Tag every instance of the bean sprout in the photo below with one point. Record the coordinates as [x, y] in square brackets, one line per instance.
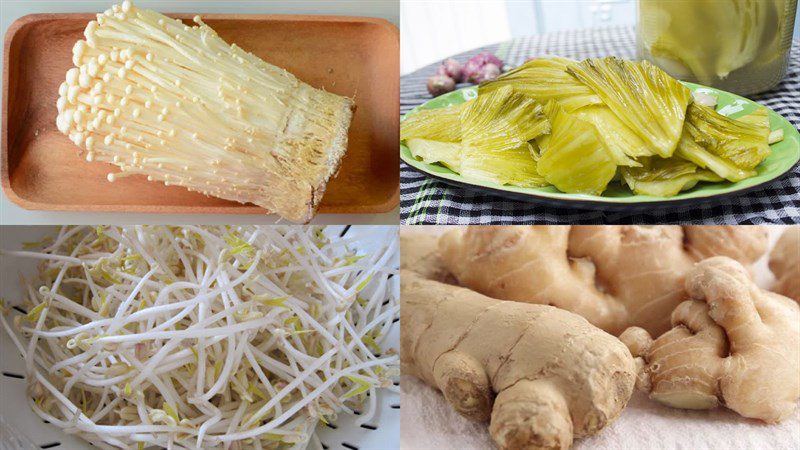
[207, 337]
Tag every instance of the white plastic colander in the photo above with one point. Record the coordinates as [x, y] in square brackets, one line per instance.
[20, 427]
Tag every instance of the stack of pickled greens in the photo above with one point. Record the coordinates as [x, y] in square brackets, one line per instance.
[579, 126]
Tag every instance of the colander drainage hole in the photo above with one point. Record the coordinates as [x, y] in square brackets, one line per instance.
[350, 446]
[19, 310]
[346, 229]
[369, 427]
[13, 375]
[395, 406]
[51, 445]
[331, 426]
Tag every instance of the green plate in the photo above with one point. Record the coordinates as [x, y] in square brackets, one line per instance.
[785, 155]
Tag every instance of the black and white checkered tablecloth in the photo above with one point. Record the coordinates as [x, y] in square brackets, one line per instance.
[424, 200]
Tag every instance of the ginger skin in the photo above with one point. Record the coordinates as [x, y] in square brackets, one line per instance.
[542, 376]
[743, 243]
[732, 343]
[420, 254]
[531, 265]
[784, 261]
[614, 276]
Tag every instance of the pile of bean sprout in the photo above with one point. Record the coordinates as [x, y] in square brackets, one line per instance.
[207, 337]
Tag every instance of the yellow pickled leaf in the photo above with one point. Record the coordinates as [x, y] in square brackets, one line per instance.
[660, 177]
[690, 150]
[440, 124]
[502, 120]
[515, 167]
[743, 142]
[446, 153]
[650, 102]
[621, 141]
[574, 158]
[545, 79]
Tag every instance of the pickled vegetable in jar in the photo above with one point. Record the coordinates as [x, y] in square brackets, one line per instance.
[740, 46]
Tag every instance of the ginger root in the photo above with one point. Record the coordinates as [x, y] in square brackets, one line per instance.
[542, 376]
[732, 343]
[420, 253]
[784, 261]
[614, 276]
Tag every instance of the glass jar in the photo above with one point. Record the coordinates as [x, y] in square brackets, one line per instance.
[740, 46]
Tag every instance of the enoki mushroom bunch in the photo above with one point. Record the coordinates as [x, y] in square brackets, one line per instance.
[178, 104]
[207, 337]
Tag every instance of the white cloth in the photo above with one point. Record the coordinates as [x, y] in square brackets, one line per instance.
[428, 422]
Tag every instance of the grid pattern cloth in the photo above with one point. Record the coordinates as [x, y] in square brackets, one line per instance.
[424, 200]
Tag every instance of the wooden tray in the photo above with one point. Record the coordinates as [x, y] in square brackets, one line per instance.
[353, 56]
